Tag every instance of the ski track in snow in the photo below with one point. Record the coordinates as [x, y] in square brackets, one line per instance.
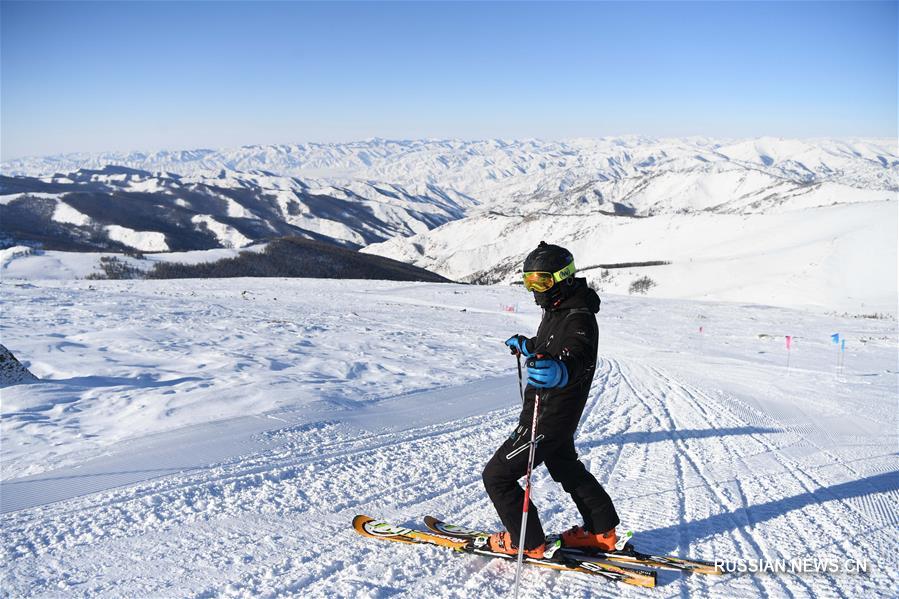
[710, 448]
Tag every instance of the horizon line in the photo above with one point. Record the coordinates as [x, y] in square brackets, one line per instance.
[462, 140]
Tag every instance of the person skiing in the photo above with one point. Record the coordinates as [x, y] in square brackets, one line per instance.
[560, 366]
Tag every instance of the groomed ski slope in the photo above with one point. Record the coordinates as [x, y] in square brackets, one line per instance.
[215, 438]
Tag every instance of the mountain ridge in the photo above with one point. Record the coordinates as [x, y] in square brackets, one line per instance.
[121, 207]
[461, 164]
[777, 221]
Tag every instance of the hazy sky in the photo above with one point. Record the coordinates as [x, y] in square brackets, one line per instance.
[90, 76]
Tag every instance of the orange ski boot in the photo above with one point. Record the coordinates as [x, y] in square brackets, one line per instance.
[581, 538]
[501, 542]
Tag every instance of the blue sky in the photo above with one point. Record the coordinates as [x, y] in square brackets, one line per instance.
[91, 76]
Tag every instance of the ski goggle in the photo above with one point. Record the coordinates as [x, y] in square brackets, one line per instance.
[543, 281]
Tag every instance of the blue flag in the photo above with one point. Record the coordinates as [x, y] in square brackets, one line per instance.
[835, 337]
[843, 345]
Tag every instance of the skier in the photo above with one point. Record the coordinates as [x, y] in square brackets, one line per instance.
[560, 366]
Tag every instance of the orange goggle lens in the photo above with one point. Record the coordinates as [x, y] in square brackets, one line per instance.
[542, 281]
[538, 281]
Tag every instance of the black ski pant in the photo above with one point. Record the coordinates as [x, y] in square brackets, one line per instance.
[501, 476]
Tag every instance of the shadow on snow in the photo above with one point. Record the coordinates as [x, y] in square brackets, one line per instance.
[702, 433]
[665, 540]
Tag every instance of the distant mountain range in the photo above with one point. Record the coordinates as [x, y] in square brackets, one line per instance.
[119, 208]
[365, 192]
[491, 169]
[760, 218]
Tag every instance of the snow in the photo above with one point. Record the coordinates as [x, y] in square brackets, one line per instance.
[24, 263]
[491, 169]
[28, 263]
[840, 257]
[200, 256]
[407, 188]
[371, 211]
[66, 214]
[227, 235]
[11, 253]
[216, 437]
[147, 185]
[235, 210]
[146, 241]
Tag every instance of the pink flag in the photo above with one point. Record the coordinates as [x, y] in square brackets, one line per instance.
[789, 341]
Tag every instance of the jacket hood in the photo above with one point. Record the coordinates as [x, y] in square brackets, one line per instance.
[582, 296]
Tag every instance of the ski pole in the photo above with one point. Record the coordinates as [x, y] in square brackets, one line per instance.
[527, 491]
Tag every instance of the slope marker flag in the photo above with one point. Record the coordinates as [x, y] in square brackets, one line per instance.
[842, 354]
[789, 344]
[836, 341]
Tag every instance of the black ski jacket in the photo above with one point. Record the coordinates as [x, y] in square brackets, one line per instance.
[568, 333]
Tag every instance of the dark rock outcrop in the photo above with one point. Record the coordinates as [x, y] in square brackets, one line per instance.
[11, 370]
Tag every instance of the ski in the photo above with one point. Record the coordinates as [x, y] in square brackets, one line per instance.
[378, 529]
[627, 556]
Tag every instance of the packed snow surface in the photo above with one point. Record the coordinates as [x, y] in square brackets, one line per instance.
[216, 438]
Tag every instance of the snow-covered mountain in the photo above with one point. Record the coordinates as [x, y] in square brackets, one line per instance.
[120, 208]
[490, 169]
[767, 220]
[840, 257]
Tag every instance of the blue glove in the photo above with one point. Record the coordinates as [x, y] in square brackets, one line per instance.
[545, 373]
[519, 345]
